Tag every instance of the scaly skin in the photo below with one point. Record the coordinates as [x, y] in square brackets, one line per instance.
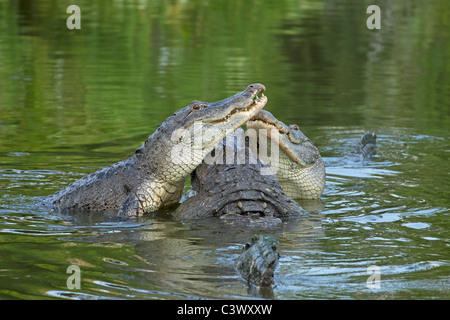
[235, 185]
[155, 175]
[258, 261]
[300, 169]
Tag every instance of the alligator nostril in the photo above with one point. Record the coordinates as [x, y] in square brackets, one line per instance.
[257, 86]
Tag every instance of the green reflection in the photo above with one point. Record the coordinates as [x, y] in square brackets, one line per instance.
[72, 101]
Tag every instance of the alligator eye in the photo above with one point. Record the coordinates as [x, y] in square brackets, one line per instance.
[198, 106]
[294, 127]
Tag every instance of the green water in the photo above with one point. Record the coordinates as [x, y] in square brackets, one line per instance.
[73, 101]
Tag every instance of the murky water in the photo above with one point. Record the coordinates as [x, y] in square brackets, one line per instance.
[73, 101]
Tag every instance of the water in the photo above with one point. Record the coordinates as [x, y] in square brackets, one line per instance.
[75, 101]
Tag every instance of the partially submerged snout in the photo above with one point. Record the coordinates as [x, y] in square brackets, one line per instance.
[290, 139]
[219, 119]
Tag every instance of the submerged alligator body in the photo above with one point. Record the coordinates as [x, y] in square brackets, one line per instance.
[234, 184]
[258, 261]
[154, 176]
[299, 168]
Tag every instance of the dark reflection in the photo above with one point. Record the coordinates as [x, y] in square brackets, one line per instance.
[196, 258]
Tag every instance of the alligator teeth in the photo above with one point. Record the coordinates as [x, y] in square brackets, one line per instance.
[238, 110]
[257, 98]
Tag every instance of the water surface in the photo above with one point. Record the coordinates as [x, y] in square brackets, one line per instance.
[73, 101]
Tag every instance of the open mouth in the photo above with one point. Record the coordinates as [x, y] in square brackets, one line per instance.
[265, 120]
[266, 125]
[256, 105]
[259, 123]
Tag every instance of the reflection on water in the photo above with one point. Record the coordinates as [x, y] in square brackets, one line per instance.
[73, 102]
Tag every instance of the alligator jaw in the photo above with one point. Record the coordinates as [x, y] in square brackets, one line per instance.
[248, 106]
[265, 120]
[300, 169]
[257, 104]
[223, 117]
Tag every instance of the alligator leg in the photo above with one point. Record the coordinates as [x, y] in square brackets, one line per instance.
[258, 260]
[149, 196]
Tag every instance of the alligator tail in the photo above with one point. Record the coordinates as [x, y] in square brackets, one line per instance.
[365, 147]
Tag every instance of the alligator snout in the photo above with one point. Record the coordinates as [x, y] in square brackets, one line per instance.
[256, 88]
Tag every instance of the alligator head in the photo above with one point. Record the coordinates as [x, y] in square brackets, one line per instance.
[299, 169]
[183, 140]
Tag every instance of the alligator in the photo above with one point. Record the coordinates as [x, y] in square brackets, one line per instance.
[229, 184]
[155, 175]
[258, 261]
[299, 167]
